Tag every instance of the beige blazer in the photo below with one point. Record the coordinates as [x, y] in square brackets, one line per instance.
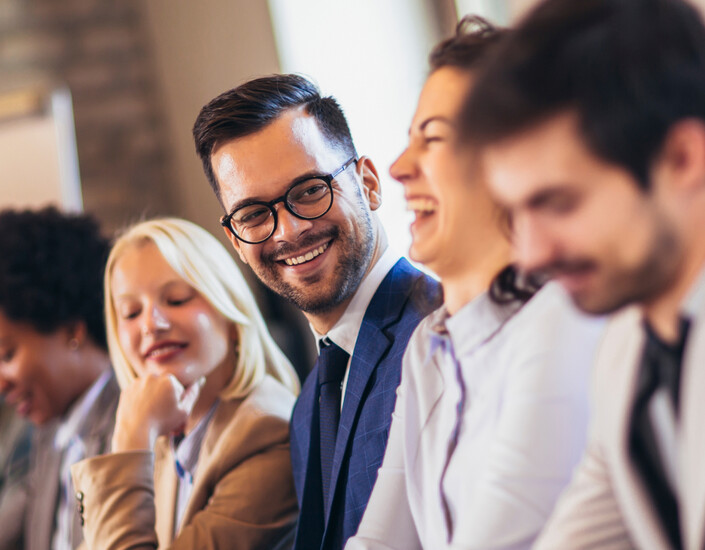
[243, 493]
[606, 506]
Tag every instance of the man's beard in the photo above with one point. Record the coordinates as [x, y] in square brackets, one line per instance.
[318, 295]
[620, 287]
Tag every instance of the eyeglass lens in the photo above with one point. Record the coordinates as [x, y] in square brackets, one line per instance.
[308, 199]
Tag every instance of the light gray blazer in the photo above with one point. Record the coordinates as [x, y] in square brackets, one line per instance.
[28, 510]
[606, 505]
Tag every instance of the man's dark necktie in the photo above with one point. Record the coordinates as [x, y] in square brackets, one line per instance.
[332, 363]
[660, 369]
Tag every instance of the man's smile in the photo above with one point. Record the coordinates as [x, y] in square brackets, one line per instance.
[307, 256]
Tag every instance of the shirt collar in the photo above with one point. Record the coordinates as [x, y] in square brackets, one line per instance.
[187, 450]
[344, 332]
[694, 303]
[476, 322]
[79, 417]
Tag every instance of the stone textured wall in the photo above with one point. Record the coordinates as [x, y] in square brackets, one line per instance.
[99, 49]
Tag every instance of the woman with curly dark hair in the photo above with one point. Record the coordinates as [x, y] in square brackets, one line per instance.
[54, 366]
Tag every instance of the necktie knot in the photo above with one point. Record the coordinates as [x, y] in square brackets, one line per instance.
[332, 362]
[661, 364]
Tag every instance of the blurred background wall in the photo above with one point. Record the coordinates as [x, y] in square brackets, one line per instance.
[100, 51]
[138, 72]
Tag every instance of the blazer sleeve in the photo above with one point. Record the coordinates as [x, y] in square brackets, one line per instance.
[388, 523]
[252, 504]
[13, 501]
[587, 515]
[14, 479]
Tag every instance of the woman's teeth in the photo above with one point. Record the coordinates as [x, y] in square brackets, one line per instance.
[421, 205]
[306, 257]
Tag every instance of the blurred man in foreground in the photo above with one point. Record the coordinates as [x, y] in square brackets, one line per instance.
[592, 118]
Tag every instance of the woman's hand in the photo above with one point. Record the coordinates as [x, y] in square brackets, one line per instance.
[152, 406]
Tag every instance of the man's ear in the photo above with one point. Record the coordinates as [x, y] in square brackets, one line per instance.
[236, 244]
[681, 163]
[370, 182]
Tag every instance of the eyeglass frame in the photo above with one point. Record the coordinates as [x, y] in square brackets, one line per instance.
[226, 219]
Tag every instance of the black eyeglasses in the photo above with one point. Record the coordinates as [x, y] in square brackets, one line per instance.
[308, 199]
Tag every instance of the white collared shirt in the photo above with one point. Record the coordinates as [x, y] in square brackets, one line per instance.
[694, 302]
[344, 332]
[523, 426]
[186, 453]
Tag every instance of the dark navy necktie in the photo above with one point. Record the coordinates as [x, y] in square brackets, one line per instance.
[332, 363]
[660, 368]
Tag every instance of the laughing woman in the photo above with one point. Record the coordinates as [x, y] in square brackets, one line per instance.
[491, 413]
[200, 453]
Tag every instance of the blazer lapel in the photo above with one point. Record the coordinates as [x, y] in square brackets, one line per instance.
[692, 444]
[370, 347]
[45, 474]
[302, 423]
[45, 481]
[208, 459]
[625, 361]
[364, 362]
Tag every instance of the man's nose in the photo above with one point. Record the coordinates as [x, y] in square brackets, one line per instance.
[289, 227]
[534, 246]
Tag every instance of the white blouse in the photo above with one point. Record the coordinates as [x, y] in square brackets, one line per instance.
[522, 426]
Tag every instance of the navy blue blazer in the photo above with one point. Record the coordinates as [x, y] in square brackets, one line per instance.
[404, 297]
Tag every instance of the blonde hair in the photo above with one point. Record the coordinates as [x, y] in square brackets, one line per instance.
[205, 264]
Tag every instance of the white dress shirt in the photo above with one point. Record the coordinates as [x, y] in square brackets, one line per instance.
[186, 453]
[344, 332]
[523, 426]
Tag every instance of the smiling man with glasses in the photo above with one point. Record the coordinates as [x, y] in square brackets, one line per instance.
[253, 222]
[300, 212]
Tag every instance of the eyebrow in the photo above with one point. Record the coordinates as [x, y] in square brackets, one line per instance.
[435, 118]
[546, 195]
[298, 179]
[166, 286]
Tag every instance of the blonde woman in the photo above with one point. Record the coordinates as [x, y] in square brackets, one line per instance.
[200, 453]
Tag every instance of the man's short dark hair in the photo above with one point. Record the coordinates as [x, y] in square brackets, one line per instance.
[468, 47]
[51, 270]
[252, 106]
[629, 69]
